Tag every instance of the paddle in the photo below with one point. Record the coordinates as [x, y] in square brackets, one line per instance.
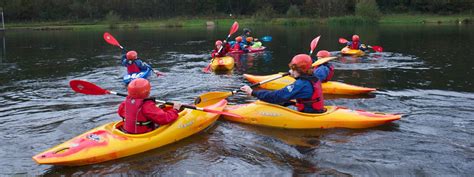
[222, 95]
[266, 38]
[313, 44]
[321, 61]
[376, 48]
[112, 41]
[233, 29]
[88, 88]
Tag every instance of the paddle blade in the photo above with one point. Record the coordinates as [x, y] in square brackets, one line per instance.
[222, 113]
[234, 28]
[212, 96]
[87, 88]
[266, 38]
[322, 61]
[207, 69]
[313, 44]
[343, 41]
[111, 40]
[377, 48]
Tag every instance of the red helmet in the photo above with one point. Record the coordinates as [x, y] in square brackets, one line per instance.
[132, 55]
[139, 88]
[355, 37]
[323, 54]
[249, 39]
[301, 63]
[238, 39]
[218, 42]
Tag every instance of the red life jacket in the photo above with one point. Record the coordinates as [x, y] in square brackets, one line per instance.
[132, 67]
[236, 46]
[330, 74]
[135, 122]
[316, 102]
[355, 45]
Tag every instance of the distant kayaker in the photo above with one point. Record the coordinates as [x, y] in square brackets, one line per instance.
[224, 50]
[249, 42]
[355, 44]
[239, 45]
[306, 89]
[245, 35]
[324, 72]
[140, 112]
[132, 62]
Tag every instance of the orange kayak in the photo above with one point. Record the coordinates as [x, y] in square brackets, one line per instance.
[266, 114]
[107, 142]
[330, 87]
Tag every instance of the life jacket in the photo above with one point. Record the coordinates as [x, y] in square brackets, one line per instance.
[331, 72]
[135, 122]
[236, 46]
[132, 67]
[355, 45]
[316, 102]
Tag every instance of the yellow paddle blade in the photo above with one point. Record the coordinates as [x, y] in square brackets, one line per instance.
[322, 61]
[210, 98]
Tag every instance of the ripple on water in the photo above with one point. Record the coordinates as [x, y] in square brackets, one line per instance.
[383, 60]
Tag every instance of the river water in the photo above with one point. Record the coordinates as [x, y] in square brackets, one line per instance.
[425, 73]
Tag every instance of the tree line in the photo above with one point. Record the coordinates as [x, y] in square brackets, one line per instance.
[45, 10]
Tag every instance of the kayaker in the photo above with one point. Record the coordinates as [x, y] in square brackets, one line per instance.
[355, 43]
[140, 112]
[324, 72]
[306, 89]
[239, 45]
[132, 62]
[249, 42]
[256, 43]
[224, 50]
[245, 34]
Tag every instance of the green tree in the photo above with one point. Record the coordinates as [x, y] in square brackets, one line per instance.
[293, 11]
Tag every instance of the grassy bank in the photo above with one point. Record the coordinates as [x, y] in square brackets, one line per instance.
[422, 19]
[203, 22]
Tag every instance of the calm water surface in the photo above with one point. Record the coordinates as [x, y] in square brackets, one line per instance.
[425, 73]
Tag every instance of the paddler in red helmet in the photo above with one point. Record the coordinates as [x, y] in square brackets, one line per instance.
[325, 71]
[306, 89]
[355, 44]
[140, 112]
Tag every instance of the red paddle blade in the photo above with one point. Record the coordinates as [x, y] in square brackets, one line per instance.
[110, 39]
[87, 88]
[342, 40]
[234, 28]
[207, 68]
[222, 113]
[313, 44]
[377, 48]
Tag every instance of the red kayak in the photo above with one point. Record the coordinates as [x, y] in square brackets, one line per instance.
[251, 50]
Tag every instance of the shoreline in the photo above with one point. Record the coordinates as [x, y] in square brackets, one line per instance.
[181, 22]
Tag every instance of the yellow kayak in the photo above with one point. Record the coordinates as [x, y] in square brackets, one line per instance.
[222, 63]
[353, 52]
[330, 87]
[266, 114]
[107, 142]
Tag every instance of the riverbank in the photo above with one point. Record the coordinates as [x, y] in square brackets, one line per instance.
[203, 22]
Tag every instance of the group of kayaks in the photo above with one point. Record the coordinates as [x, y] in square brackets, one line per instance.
[227, 63]
[108, 142]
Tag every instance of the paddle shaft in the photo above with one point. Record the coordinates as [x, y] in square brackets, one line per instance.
[160, 101]
[263, 82]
